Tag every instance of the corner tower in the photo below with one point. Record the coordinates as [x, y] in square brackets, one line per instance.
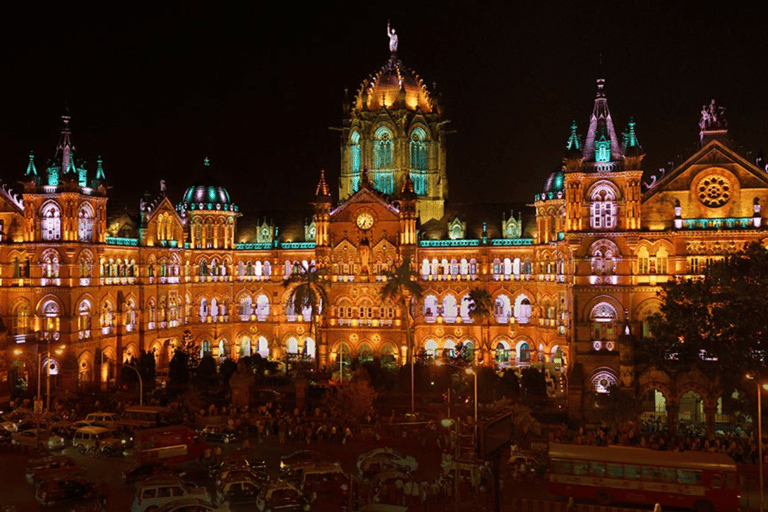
[393, 126]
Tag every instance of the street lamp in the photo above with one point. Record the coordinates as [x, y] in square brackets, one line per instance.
[759, 433]
[457, 423]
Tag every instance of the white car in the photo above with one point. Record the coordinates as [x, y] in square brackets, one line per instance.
[383, 459]
[32, 436]
[157, 492]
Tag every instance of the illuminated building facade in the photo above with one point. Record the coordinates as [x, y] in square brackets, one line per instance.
[572, 279]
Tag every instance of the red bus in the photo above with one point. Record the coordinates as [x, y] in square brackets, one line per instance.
[700, 481]
[173, 444]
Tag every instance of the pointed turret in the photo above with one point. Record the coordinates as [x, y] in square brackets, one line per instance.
[602, 145]
[633, 152]
[322, 193]
[407, 191]
[65, 149]
[100, 170]
[31, 172]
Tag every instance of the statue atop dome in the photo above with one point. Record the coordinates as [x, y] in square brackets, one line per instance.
[392, 39]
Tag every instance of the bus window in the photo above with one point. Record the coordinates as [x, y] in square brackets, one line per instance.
[614, 470]
[580, 467]
[631, 472]
[562, 467]
[716, 482]
[650, 473]
[667, 475]
[686, 476]
[597, 469]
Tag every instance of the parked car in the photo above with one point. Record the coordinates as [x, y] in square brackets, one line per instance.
[64, 491]
[63, 429]
[383, 459]
[239, 487]
[303, 457]
[281, 496]
[103, 419]
[158, 492]
[96, 437]
[33, 436]
[193, 505]
[52, 467]
[150, 469]
[236, 462]
[324, 483]
[220, 433]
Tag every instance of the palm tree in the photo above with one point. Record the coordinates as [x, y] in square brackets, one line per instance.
[308, 291]
[480, 306]
[401, 288]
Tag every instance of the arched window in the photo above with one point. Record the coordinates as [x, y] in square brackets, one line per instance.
[51, 222]
[643, 266]
[603, 380]
[388, 358]
[292, 346]
[309, 348]
[383, 161]
[85, 223]
[662, 257]
[20, 320]
[523, 353]
[418, 150]
[431, 309]
[245, 308]
[262, 307]
[522, 309]
[354, 161]
[263, 347]
[430, 349]
[468, 351]
[502, 309]
[51, 312]
[450, 311]
[203, 309]
[245, 346]
[603, 208]
[502, 353]
[449, 348]
[364, 354]
[205, 348]
[604, 326]
[223, 349]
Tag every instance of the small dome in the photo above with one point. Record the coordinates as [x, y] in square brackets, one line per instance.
[207, 194]
[383, 89]
[554, 186]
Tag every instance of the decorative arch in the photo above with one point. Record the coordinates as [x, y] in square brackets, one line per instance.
[603, 378]
[50, 221]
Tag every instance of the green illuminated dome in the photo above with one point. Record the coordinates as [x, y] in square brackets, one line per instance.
[207, 194]
[554, 186]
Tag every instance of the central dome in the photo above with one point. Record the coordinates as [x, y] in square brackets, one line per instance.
[207, 194]
[385, 87]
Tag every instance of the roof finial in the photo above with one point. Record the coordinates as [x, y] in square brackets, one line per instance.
[100, 170]
[573, 140]
[207, 162]
[392, 39]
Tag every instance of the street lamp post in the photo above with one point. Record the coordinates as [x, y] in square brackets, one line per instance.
[759, 434]
[468, 371]
[456, 472]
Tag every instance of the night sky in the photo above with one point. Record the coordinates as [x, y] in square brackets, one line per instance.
[154, 90]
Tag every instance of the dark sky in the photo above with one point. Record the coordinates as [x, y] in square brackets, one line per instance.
[154, 90]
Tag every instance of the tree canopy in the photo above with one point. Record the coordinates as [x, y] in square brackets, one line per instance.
[718, 323]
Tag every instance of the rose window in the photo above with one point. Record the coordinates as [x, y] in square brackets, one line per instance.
[714, 191]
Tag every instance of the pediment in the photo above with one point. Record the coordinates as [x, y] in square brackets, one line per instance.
[713, 155]
[345, 246]
[364, 196]
[164, 206]
[384, 245]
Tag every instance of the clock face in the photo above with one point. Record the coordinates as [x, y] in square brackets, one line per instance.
[365, 220]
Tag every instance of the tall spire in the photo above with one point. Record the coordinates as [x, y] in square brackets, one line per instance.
[65, 148]
[601, 144]
[99, 170]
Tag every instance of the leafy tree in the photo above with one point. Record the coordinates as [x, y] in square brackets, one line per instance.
[226, 370]
[716, 323]
[509, 384]
[309, 290]
[189, 347]
[353, 401]
[533, 382]
[206, 371]
[146, 367]
[402, 288]
[178, 368]
[480, 307]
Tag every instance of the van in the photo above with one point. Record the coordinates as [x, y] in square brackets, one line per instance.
[103, 419]
[86, 438]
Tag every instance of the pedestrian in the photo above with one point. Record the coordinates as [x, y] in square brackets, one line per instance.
[207, 458]
[571, 506]
[657, 507]
[217, 452]
[246, 445]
